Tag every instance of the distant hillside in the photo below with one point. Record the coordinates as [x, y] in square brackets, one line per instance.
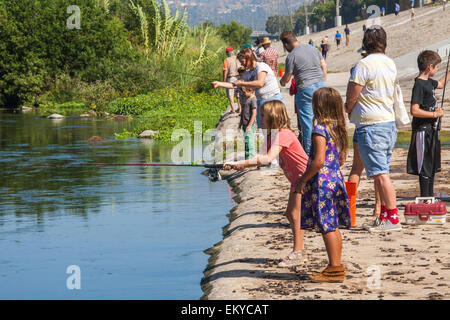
[251, 13]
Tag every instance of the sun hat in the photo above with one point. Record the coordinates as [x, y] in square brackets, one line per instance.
[266, 40]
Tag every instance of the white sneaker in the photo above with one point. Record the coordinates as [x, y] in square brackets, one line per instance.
[274, 164]
[372, 224]
[386, 226]
[294, 259]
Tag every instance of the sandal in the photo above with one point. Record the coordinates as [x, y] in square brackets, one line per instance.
[330, 274]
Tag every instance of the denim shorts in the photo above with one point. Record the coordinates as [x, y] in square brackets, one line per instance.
[375, 143]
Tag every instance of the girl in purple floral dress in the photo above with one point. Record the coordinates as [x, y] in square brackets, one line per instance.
[325, 204]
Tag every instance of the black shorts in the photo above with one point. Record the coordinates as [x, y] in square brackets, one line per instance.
[338, 41]
[424, 151]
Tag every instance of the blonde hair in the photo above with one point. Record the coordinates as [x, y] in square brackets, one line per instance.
[275, 115]
[328, 109]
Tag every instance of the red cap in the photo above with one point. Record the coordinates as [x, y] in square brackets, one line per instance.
[229, 49]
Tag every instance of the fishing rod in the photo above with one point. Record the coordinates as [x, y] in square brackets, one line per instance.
[208, 166]
[439, 121]
[186, 74]
[445, 82]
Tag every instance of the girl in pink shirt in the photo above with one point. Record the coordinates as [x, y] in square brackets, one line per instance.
[282, 143]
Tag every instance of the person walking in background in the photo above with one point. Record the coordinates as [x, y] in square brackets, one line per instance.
[324, 49]
[347, 35]
[230, 73]
[269, 55]
[396, 9]
[444, 3]
[424, 155]
[311, 43]
[309, 69]
[364, 28]
[325, 203]
[293, 161]
[413, 14]
[411, 3]
[376, 132]
[338, 38]
[383, 11]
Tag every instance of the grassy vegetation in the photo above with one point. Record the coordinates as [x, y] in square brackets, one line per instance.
[171, 108]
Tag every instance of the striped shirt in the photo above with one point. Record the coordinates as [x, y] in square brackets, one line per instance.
[377, 73]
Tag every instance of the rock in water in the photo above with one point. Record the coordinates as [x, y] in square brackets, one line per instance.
[148, 134]
[26, 109]
[95, 139]
[85, 115]
[120, 118]
[55, 116]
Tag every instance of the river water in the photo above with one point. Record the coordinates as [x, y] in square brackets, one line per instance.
[131, 232]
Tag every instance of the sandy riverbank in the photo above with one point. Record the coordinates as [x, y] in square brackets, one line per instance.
[414, 263]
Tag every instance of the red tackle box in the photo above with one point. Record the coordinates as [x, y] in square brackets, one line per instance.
[421, 212]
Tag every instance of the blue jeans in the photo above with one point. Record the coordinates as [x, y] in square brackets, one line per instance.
[305, 114]
[375, 143]
[278, 96]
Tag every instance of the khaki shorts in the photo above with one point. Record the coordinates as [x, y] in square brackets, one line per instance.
[230, 92]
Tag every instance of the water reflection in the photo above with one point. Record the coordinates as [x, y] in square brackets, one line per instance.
[136, 232]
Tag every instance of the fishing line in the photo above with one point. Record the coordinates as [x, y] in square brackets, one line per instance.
[213, 172]
[445, 83]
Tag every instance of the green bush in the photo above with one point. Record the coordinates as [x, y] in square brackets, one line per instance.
[235, 34]
[68, 108]
[171, 108]
[36, 46]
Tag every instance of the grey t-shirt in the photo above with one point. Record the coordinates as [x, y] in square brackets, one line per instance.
[304, 63]
[270, 87]
[247, 108]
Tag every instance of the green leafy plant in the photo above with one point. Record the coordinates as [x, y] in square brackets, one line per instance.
[168, 109]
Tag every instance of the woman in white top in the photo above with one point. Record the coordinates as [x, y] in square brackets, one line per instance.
[258, 76]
